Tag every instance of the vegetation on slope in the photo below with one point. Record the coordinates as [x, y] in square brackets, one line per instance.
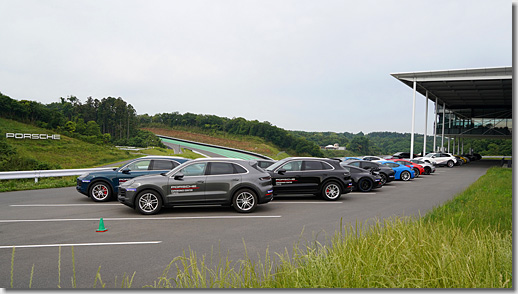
[18, 154]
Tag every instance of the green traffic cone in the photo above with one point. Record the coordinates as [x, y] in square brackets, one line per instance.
[101, 226]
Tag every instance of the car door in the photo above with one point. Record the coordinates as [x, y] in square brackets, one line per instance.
[221, 178]
[187, 185]
[286, 178]
[312, 173]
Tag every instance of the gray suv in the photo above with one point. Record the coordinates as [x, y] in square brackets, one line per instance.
[205, 181]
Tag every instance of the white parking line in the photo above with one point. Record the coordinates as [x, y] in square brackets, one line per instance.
[306, 202]
[136, 218]
[80, 244]
[59, 205]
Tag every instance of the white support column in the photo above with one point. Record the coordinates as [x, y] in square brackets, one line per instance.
[413, 123]
[449, 126]
[425, 125]
[435, 126]
[443, 115]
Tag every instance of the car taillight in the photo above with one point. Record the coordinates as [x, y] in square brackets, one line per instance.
[266, 178]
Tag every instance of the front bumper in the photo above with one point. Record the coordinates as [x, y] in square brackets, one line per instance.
[126, 196]
[82, 186]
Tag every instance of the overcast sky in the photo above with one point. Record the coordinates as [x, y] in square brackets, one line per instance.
[301, 65]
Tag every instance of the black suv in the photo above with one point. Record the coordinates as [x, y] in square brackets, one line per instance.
[386, 173]
[205, 181]
[309, 175]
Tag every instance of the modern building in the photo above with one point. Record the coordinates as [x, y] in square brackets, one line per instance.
[469, 103]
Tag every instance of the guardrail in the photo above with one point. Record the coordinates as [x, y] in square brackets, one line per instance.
[36, 174]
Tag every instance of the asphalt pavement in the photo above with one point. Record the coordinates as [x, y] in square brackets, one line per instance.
[44, 226]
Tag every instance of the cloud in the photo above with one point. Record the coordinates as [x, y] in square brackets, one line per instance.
[306, 65]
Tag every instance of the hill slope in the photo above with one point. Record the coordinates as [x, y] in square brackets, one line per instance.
[50, 154]
[248, 143]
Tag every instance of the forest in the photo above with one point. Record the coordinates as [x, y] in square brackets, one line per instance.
[106, 121]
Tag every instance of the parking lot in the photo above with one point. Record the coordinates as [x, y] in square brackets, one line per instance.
[43, 223]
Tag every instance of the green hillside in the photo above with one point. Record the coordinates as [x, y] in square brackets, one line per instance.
[22, 154]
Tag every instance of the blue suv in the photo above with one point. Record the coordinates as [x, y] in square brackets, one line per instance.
[104, 185]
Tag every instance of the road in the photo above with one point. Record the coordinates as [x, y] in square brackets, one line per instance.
[42, 223]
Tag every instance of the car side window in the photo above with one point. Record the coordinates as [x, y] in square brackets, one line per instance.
[357, 163]
[369, 164]
[139, 165]
[159, 164]
[327, 166]
[239, 169]
[312, 165]
[221, 168]
[293, 166]
[195, 169]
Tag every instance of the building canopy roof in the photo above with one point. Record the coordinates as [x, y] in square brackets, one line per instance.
[470, 93]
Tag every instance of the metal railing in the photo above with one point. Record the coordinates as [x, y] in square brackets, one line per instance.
[36, 174]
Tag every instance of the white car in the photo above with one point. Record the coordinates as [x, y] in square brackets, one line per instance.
[439, 159]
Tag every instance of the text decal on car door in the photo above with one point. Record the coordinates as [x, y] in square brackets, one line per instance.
[183, 188]
[285, 181]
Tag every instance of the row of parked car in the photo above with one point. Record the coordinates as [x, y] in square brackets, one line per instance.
[150, 183]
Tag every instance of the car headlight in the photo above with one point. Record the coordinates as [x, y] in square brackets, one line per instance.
[83, 176]
[128, 183]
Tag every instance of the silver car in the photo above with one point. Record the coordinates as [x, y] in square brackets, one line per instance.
[429, 168]
[205, 181]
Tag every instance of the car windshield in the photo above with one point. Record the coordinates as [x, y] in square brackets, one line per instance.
[429, 155]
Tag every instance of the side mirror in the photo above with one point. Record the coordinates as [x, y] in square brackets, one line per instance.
[281, 171]
[126, 171]
[179, 176]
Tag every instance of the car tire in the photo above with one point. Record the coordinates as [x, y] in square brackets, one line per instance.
[100, 191]
[405, 175]
[331, 191]
[427, 170]
[450, 163]
[416, 172]
[148, 202]
[244, 201]
[384, 178]
[365, 185]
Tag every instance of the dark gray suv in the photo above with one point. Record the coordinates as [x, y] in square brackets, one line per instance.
[206, 181]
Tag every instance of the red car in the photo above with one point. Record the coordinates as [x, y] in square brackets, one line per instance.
[418, 169]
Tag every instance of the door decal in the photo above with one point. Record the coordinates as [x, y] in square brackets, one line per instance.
[285, 181]
[183, 189]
